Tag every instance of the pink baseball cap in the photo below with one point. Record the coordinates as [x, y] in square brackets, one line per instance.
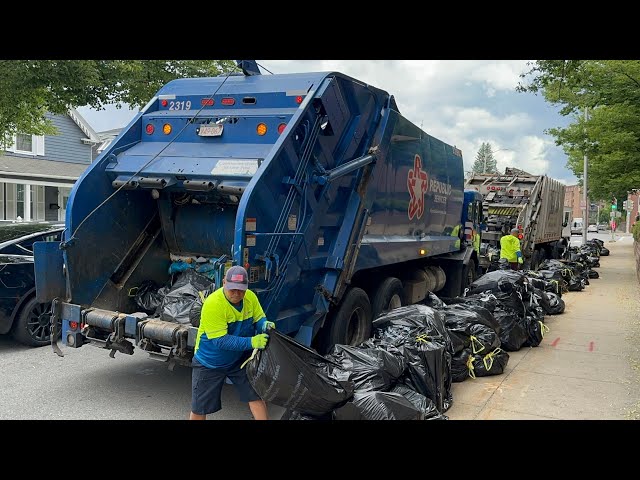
[237, 278]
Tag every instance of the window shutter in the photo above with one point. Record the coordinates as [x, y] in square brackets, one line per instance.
[38, 140]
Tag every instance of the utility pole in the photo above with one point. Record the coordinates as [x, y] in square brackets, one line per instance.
[585, 216]
[628, 211]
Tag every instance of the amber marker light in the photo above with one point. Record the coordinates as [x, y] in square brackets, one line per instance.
[166, 129]
[261, 129]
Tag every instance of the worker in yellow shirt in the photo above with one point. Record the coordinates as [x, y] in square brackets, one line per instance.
[510, 249]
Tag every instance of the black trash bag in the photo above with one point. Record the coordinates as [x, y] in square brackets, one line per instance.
[535, 331]
[178, 300]
[497, 281]
[492, 363]
[483, 300]
[541, 300]
[429, 370]
[459, 366]
[295, 415]
[196, 307]
[467, 314]
[604, 252]
[483, 339]
[369, 367]
[510, 301]
[290, 375]
[376, 405]
[513, 333]
[400, 324]
[147, 296]
[556, 304]
[422, 403]
[433, 301]
[593, 274]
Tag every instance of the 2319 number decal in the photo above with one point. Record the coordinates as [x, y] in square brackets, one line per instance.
[180, 105]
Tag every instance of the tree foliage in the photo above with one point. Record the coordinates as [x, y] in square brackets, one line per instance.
[610, 136]
[31, 88]
[485, 162]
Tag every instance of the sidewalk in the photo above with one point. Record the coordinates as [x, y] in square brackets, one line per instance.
[588, 364]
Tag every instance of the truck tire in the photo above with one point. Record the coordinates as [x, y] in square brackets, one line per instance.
[32, 325]
[350, 323]
[388, 295]
[469, 274]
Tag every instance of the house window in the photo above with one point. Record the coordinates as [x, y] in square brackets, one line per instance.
[31, 144]
[24, 142]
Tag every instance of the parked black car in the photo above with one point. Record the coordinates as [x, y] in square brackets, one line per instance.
[20, 314]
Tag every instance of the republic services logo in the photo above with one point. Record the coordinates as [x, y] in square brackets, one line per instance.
[417, 182]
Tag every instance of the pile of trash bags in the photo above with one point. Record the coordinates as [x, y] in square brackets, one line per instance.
[179, 301]
[405, 371]
[402, 373]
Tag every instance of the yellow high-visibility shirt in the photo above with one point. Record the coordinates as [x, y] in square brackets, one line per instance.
[509, 245]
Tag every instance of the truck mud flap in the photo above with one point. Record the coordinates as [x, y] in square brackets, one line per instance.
[48, 265]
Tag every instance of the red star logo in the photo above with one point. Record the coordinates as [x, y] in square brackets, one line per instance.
[417, 185]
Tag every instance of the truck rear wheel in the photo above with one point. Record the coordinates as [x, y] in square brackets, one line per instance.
[470, 274]
[388, 295]
[350, 323]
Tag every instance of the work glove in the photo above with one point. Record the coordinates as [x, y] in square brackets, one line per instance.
[520, 260]
[268, 326]
[259, 341]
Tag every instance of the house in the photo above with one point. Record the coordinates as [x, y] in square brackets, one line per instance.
[38, 171]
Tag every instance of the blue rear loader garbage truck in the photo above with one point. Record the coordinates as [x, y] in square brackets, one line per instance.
[338, 207]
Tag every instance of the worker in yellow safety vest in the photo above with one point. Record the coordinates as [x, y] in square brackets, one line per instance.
[510, 249]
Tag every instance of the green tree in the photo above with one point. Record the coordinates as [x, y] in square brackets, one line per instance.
[610, 136]
[484, 162]
[31, 88]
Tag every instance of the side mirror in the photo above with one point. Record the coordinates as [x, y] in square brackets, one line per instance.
[564, 224]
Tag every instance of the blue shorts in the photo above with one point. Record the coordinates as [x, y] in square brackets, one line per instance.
[206, 386]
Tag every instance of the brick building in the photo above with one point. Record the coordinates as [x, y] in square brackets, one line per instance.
[572, 199]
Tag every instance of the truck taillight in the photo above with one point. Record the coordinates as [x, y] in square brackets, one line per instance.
[281, 128]
[228, 101]
[299, 99]
[164, 103]
[73, 325]
[149, 129]
[207, 102]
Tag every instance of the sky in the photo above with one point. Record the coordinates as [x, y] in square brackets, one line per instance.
[461, 102]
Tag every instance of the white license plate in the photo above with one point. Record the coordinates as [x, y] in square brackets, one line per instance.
[210, 130]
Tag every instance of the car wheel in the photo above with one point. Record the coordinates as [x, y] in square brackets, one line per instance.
[32, 325]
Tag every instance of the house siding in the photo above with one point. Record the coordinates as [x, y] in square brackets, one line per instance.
[66, 146]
